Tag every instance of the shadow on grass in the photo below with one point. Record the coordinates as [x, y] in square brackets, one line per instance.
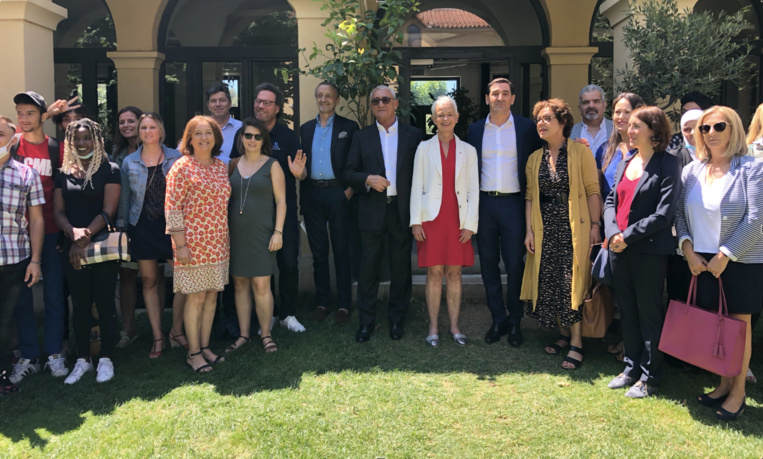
[45, 403]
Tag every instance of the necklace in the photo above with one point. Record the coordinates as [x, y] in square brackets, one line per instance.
[246, 192]
[154, 173]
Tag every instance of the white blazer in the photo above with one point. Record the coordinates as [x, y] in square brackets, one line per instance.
[426, 188]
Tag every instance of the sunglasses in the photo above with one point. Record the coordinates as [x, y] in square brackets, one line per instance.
[382, 100]
[249, 135]
[718, 127]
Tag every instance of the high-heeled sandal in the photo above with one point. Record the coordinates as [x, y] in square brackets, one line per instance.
[234, 346]
[218, 359]
[175, 343]
[156, 354]
[269, 346]
[206, 368]
[710, 402]
[726, 415]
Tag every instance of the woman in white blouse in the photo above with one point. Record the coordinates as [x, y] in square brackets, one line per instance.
[720, 230]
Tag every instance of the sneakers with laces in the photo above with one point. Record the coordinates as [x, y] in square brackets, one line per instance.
[57, 365]
[6, 386]
[292, 324]
[80, 368]
[105, 370]
[24, 368]
[125, 339]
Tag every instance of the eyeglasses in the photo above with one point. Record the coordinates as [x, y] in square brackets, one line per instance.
[249, 135]
[718, 127]
[546, 119]
[382, 100]
[264, 103]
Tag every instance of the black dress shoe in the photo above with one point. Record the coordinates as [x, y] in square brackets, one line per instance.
[495, 332]
[364, 333]
[515, 335]
[396, 330]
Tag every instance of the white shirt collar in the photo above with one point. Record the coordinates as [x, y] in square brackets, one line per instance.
[509, 122]
[392, 128]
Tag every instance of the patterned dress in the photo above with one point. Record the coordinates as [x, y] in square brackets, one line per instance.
[197, 205]
[555, 276]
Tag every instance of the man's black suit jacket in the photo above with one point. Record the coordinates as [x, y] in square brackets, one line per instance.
[366, 159]
[527, 142]
[341, 139]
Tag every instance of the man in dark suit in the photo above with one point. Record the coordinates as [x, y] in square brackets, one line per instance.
[324, 198]
[503, 142]
[380, 168]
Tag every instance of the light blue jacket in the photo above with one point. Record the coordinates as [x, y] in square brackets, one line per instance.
[134, 178]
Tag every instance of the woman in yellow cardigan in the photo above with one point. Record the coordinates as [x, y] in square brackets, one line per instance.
[563, 209]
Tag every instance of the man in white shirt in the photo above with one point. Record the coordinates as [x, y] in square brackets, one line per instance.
[503, 142]
[219, 104]
[595, 128]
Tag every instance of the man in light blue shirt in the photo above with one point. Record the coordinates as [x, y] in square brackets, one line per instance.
[219, 104]
[595, 128]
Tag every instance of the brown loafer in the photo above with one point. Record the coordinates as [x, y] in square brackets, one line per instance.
[342, 317]
[320, 313]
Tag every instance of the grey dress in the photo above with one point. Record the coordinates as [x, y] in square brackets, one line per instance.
[252, 224]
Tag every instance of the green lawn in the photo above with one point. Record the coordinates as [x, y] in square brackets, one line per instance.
[323, 395]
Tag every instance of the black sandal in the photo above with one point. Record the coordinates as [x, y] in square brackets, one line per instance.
[269, 346]
[557, 348]
[233, 346]
[218, 359]
[201, 368]
[575, 362]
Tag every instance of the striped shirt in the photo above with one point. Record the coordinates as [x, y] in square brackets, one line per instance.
[741, 237]
[20, 188]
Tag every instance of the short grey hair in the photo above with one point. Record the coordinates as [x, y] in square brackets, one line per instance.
[591, 88]
[441, 100]
[382, 86]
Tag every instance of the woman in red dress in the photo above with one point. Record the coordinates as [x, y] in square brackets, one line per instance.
[444, 207]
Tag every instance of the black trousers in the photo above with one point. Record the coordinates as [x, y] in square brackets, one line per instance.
[11, 285]
[400, 239]
[678, 278]
[329, 206]
[501, 235]
[639, 280]
[287, 260]
[95, 283]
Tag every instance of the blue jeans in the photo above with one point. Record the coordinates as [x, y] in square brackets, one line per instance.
[55, 302]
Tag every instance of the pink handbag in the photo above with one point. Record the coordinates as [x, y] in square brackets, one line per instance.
[709, 340]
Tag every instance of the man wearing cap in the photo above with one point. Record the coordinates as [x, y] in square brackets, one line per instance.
[38, 151]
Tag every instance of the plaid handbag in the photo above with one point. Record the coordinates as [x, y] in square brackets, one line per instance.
[109, 245]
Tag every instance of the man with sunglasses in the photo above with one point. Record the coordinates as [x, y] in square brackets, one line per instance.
[268, 106]
[380, 169]
[325, 197]
[503, 142]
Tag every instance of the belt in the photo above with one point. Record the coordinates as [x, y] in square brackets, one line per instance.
[391, 199]
[498, 193]
[560, 198]
[324, 183]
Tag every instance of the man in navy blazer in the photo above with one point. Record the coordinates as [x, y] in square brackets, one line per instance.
[503, 142]
[380, 169]
[324, 197]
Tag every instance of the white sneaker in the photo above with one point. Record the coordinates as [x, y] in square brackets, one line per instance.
[80, 368]
[57, 365]
[22, 369]
[105, 370]
[292, 324]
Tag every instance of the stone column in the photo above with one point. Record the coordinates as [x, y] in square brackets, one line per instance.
[568, 72]
[138, 77]
[26, 29]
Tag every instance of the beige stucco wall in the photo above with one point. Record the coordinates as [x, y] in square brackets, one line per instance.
[26, 29]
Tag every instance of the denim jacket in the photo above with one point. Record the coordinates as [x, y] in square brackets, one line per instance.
[134, 178]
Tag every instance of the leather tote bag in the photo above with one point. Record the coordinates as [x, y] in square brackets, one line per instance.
[707, 339]
[598, 312]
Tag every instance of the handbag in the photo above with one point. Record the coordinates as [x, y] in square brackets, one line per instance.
[709, 340]
[598, 312]
[109, 245]
[601, 269]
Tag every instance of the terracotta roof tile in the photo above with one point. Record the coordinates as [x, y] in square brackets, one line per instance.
[451, 18]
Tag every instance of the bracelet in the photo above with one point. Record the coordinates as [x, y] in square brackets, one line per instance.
[276, 231]
[36, 262]
[596, 223]
[181, 246]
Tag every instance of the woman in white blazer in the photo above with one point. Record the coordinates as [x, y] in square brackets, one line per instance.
[720, 230]
[444, 206]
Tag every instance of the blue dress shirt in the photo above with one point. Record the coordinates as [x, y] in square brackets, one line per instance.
[320, 168]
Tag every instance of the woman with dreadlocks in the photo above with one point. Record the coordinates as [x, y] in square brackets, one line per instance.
[88, 186]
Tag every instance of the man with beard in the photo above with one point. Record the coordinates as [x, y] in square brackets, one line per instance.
[595, 128]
